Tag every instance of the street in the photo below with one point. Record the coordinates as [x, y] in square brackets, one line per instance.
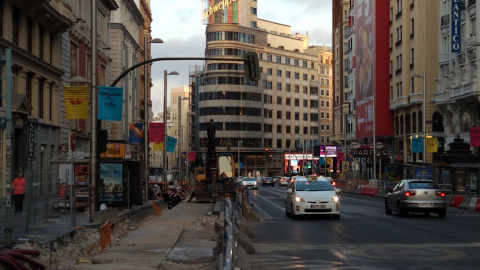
[363, 238]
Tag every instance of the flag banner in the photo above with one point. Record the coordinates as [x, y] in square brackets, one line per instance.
[345, 166]
[321, 161]
[158, 146]
[110, 101]
[340, 157]
[475, 136]
[417, 145]
[350, 156]
[136, 132]
[76, 102]
[432, 145]
[192, 156]
[171, 143]
[184, 156]
[155, 132]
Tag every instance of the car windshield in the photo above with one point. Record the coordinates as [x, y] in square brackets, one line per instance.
[268, 178]
[423, 185]
[314, 186]
[248, 179]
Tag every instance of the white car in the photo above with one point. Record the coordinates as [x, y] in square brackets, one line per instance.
[312, 196]
[250, 182]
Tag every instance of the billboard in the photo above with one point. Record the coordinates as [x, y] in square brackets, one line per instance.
[372, 68]
[221, 11]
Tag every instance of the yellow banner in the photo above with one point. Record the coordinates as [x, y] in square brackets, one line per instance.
[76, 102]
[158, 146]
[114, 150]
[432, 145]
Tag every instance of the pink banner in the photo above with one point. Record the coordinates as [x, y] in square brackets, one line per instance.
[192, 156]
[475, 136]
[155, 132]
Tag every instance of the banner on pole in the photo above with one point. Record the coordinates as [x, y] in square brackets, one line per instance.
[171, 143]
[155, 132]
[110, 101]
[76, 102]
[136, 132]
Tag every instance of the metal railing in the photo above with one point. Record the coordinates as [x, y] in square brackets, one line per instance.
[226, 260]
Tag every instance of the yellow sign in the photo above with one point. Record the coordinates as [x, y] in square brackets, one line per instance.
[218, 6]
[114, 150]
[432, 145]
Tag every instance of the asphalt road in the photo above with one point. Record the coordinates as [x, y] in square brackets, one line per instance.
[363, 238]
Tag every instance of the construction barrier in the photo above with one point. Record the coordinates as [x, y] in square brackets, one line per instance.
[456, 200]
[156, 208]
[477, 205]
[105, 235]
[369, 191]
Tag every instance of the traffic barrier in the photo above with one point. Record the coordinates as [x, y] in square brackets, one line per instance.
[477, 205]
[105, 235]
[156, 208]
[456, 200]
[363, 191]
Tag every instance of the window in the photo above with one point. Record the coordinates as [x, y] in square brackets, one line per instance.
[322, 81]
[412, 27]
[297, 116]
[322, 103]
[279, 59]
[322, 115]
[269, 70]
[253, 11]
[297, 76]
[40, 42]
[41, 85]
[287, 74]
[305, 116]
[29, 87]
[288, 115]
[279, 129]
[287, 102]
[312, 65]
[279, 73]
[399, 34]
[288, 129]
[328, 104]
[269, 58]
[412, 85]
[287, 87]
[297, 88]
[279, 143]
[305, 103]
[328, 115]
[297, 129]
[322, 92]
[327, 92]
[279, 86]
[399, 62]
[305, 90]
[295, 62]
[304, 64]
[29, 34]
[279, 100]
[287, 61]
[328, 81]
[15, 24]
[279, 114]
[412, 57]
[305, 131]
[297, 103]
[253, 24]
[305, 77]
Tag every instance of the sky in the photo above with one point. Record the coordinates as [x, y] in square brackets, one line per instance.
[179, 25]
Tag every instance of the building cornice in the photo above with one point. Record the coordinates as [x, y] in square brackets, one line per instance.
[125, 31]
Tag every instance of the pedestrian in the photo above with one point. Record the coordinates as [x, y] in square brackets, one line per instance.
[18, 186]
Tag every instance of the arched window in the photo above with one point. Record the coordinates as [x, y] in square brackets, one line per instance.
[397, 126]
[420, 122]
[408, 124]
[414, 123]
[437, 119]
[401, 125]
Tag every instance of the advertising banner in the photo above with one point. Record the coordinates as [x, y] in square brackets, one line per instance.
[424, 173]
[110, 185]
[136, 132]
[171, 143]
[76, 102]
[221, 11]
[432, 145]
[475, 136]
[417, 145]
[456, 11]
[114, 150]
[110, 102]
[155, 132]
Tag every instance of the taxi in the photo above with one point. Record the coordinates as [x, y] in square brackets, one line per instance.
[312, 195]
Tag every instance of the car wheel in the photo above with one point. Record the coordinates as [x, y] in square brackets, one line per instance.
[400, 209]
[388, 211]
[442, 213]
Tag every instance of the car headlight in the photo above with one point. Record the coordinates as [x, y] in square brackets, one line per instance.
[255, 183]
[299, 199]
[335, 199]
[243, 183]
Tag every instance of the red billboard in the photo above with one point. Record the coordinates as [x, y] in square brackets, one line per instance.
[372, 69]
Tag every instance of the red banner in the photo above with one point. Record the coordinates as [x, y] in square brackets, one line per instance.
[475, 136]
[192, 156]
[155, 132]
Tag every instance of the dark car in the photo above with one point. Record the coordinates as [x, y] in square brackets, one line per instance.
[414, 195]
[268, 181]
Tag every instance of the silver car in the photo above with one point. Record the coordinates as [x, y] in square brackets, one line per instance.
[249, 182]
[416, 195]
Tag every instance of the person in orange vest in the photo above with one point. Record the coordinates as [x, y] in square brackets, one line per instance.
[18, 186]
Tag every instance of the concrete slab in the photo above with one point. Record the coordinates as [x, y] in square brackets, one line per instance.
[194, 247]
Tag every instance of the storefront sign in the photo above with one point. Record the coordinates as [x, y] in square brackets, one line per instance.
[221, 5]
[455, 25]
[366, 151]
[31, 139]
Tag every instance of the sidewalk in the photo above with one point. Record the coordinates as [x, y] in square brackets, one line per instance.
[184, 237]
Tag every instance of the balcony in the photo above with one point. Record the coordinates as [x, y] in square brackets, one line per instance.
[444, 24]
[471, 8]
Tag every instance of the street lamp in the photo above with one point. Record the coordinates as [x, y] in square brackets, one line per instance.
[424, 108]
[180, 135]
[238, 147]
[146, 108]
[165, 136]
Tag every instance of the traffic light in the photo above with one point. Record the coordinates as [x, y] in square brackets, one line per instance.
[251, 66]
[102, 140]
[266, 151]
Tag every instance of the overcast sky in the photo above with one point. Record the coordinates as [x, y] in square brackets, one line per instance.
[178, 24]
